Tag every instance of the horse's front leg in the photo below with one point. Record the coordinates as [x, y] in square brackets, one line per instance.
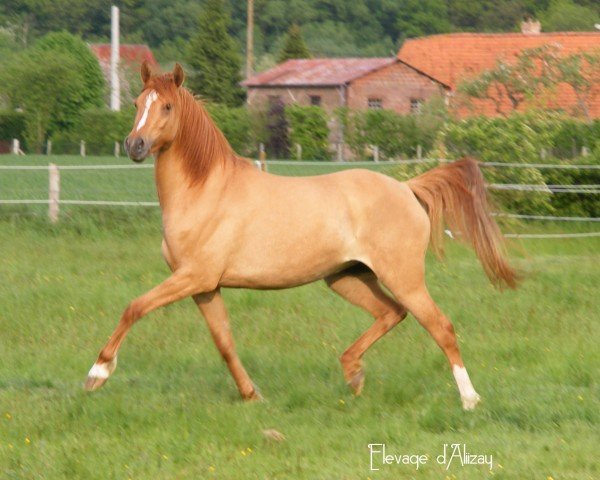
[177, 286]
[213, 309]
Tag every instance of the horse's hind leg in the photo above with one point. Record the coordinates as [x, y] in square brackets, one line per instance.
[212, 307]
[360, 287]
[414, 296]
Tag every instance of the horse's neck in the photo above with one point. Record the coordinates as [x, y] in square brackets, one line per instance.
[177, 192]
[196, 164]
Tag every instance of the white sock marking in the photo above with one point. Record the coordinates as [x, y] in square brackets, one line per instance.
[99, 371]
[468, 395]
[150, 99]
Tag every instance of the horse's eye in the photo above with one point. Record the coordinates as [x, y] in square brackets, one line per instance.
[168, 107]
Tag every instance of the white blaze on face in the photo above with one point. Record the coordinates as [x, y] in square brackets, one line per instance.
[150, 99]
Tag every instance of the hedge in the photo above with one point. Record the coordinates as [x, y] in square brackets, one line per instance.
[99, 128]
[534, 137]
[308, 128]
[12, 125]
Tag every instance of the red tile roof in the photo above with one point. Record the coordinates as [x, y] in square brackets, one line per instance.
[131, 54]
[317, 72]
[454, 57]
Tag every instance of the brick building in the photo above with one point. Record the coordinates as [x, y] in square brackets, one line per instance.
[357, 83]
[454, 57]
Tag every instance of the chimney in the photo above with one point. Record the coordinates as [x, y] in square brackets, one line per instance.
[530, 26]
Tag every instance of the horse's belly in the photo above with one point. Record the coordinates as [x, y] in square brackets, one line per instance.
[273, 270]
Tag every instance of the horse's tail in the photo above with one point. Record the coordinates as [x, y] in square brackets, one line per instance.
[455, 194]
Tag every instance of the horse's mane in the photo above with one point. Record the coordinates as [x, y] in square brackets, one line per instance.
[199, 141]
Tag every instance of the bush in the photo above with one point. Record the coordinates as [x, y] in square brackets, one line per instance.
[99, 128]
[235, 123]
[397, 136]
[12, 125]
[524, 138]
[309, 129]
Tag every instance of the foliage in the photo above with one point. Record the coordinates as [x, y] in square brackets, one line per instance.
[278, 142]
[330, 27]
[397, 136]
[529, 77]
[12, 125]
[48, 92]
[235, 123]
[294, 46]
[567, 16]
[52, 82]
[99, 128]
[581, 70]
[87, 65]
[308, 128]
[214, 59]
[524, 138]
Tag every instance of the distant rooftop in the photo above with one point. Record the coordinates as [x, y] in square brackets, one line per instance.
[454, 57]
[129, 53]
[328, 72]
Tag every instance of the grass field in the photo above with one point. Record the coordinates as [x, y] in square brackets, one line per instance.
[171, 410]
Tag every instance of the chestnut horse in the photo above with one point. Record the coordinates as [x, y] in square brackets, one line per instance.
[228, 224]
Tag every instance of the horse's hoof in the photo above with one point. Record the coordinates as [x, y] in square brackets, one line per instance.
[254, 396]
[357, 382]
[94, 383]
[470, 402]
[99, 373]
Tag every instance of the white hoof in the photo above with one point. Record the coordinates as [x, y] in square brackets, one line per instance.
[99, 373]
[469, 402]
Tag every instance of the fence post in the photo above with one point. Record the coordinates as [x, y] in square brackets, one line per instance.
[48, 147]
[82, 148]
[16, 147]
[54, 192]
[419, 152]
[340, 151]
[585, 152]
[262, 156]
[375, 153]
[299, 151]
[117, 149]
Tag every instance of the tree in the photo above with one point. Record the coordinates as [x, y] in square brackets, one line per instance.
[294, 46]
[52, 82]
[48, 90]
[87, 65]
[278, 143]
[214, 58]
[309, 130]
[565, 15]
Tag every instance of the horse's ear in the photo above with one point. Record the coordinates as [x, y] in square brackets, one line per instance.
[178, 75]
[146, 72]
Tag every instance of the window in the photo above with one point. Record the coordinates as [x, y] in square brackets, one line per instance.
[375, 103]
[415, 105]
[315, 100]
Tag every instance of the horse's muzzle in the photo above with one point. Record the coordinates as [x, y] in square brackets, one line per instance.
[137, 148]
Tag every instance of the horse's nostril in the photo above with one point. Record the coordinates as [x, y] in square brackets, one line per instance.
[140, 145]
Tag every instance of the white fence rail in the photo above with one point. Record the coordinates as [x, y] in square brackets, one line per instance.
[54, 184]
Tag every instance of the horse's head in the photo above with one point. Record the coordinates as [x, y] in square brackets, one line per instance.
[156, 120]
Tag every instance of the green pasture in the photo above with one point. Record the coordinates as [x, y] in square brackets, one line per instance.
[171, 410]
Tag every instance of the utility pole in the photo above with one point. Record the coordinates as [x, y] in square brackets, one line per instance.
[115, 89]
[250, 40]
